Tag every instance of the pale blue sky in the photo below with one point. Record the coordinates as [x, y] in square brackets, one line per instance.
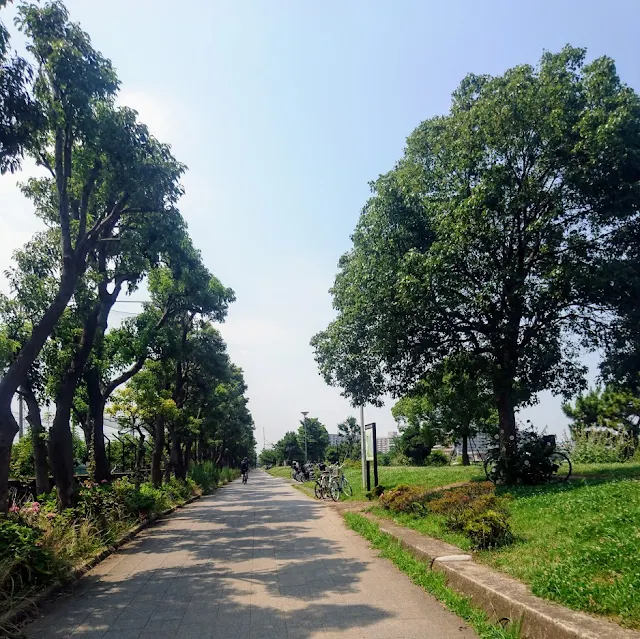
[283, 111]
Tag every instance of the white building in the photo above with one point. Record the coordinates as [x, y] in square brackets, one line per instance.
[384, 444]
[334, 439]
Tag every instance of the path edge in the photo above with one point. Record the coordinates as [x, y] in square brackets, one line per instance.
[500, 596]
[28, 610]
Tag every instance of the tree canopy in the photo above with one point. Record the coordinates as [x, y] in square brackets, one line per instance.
[484, 241]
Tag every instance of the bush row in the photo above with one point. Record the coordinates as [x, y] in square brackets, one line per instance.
[41, 545]
[474, 510]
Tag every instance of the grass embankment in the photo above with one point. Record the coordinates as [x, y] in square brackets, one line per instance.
[390, 476]
[576, 543]
[433, 582]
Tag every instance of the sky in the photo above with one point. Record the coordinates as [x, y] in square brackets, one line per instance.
[284, 111]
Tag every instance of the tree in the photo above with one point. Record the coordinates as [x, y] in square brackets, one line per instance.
[104, 169]
[317, 438]
[20, 116]
[453, 401]
[268, 457]
[350, 432]
[288, 449]
[612, 408]
[484, 239]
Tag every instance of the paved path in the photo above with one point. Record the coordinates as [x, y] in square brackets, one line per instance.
[254, 561]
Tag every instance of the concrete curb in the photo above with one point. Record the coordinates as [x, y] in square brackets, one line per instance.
[27, 610]
[500, 596]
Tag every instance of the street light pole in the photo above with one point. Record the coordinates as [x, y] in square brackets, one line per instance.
[304, 423]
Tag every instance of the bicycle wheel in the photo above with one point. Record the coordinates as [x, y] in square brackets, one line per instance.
[318, 490]
[490, 468]
[346, 487]
[562, 465]
[334, 489]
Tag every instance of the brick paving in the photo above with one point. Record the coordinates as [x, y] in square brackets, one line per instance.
[255, 561]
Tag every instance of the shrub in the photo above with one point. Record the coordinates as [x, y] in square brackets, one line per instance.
[385, 459]
[437, 458]
[476, 511]
[205, 474]
[404, 499]
[488, 529]
[530, 465]
[25, 560]
[599, 447]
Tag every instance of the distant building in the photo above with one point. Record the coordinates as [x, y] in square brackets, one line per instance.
[477, 446]
[384, 444]
[334, 439]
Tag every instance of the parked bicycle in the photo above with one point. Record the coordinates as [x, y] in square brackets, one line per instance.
[327, 485]
[343, 482]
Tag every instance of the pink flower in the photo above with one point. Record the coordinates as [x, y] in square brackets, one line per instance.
[50, 515]
[35, 503]
[104, 481]
[35, 507]
[14, 509]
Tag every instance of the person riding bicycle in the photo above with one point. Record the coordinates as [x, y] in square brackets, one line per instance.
[244, 467]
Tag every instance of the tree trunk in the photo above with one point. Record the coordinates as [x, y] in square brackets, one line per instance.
[507, 422]
[140, 460]
[61, 445]
[176, 458]
[38, 440]
[17, 373]
[8, 430]
[465, 447]
[156, 456]
[102, 471]
[60, 438]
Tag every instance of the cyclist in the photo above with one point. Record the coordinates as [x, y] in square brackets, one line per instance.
[244, 469]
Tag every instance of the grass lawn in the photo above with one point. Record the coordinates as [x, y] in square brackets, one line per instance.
[390, 476]
[576, 543]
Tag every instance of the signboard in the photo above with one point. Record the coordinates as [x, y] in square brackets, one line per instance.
[368, 444]
[370, 453]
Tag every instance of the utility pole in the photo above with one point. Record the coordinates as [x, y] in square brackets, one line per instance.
[362, 449]
[304, 423]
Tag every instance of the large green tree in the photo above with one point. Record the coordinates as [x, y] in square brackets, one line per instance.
[484, 239]
[104, 169]
[316, 437]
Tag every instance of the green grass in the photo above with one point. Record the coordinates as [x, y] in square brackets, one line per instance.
[390, 476]
[433, 582]
[576, 543]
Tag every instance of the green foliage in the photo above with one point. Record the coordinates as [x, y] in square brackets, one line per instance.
[206, 474]
[332, 455]
[487, 239]
[22, 465]
[599, 447]
[612, 409]
[473, 510]
[350, 432]
[317, 438]
[288, 448]
[531, 464]
[405, 499]
[385, 459]
[477, 512]
[437, 458]
[24, 559]
[432, 581]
